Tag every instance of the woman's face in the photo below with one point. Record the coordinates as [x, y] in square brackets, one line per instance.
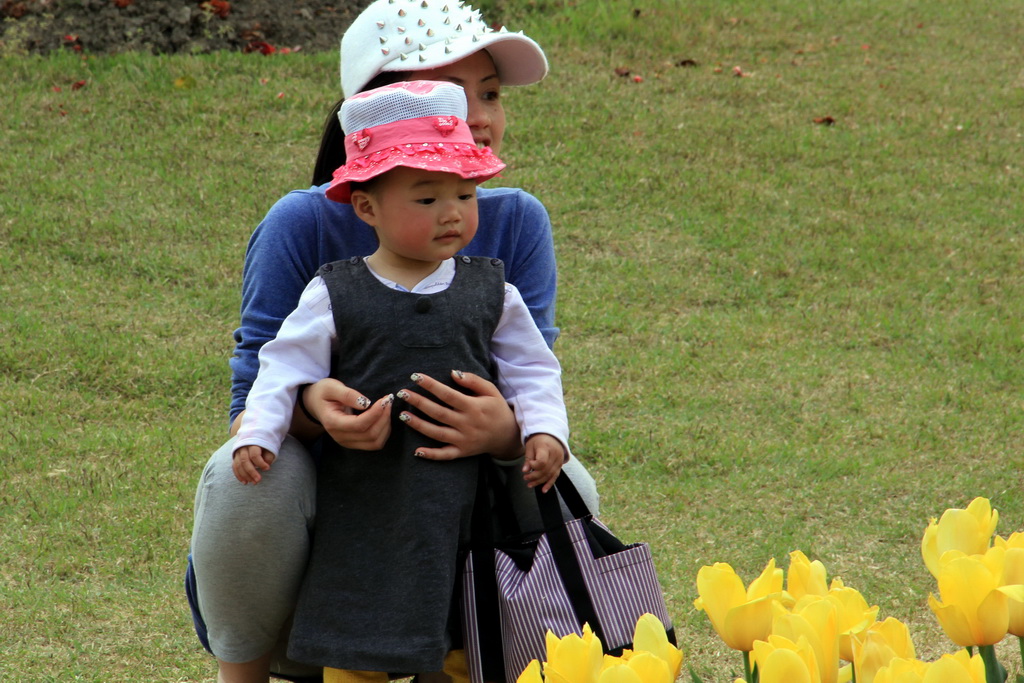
[478, 77]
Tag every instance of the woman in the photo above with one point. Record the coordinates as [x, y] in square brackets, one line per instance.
[250, 544]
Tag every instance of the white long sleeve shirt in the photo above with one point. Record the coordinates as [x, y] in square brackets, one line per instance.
[528, 374]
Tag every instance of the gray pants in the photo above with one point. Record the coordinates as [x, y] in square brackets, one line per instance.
[250, 545]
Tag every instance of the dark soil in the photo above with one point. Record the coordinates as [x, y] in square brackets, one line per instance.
[172, 26]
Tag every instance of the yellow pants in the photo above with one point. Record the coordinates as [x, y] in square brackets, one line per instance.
[454, 665]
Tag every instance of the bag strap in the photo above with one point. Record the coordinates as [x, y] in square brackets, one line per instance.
[563, 552]
[551, 515]
[485, 581]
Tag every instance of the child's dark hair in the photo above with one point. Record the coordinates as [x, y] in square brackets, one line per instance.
[364, 185]
[332, 140]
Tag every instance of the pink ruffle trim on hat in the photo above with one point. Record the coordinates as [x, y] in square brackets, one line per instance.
[463, 159]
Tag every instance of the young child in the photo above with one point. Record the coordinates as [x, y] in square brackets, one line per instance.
[383, 569]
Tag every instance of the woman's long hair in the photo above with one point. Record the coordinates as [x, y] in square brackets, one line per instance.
[332, 140]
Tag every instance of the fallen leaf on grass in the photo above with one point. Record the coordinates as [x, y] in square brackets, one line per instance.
[825, 121]
[184, 82]
[78, 85]
[121, 4]
[218, 8]
[261, 46]
[687, 62]
[621, 71]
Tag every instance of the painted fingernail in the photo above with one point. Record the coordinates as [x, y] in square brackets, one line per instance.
[363, 402]
[416, 377]
[458, 373]
[403, 394]
[418, 454]
[388, 401]
[404, 417]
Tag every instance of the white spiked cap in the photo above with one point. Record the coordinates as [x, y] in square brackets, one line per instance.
[416, 35]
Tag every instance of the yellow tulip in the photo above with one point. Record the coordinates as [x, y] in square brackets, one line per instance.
[780, 660]
[853, 616]
[902, 671]
[815, 620]
[1013, 574]
[739, 616]
[878, 646]
[974, 606]
[620, 673]
[531, 674]
[608, 661]
[956, 668]
[574, 658]
[649, 636]
[805, 577]
[969, 531]
[650, 668]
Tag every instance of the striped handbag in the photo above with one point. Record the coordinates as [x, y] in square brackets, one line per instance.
[516, 587]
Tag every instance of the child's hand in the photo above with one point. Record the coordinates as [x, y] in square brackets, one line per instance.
[544, 457]
[247, 461]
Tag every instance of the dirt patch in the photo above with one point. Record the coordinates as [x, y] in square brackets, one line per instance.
[168, 26]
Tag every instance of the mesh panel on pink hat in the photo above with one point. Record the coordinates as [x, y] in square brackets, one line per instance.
[402, 101]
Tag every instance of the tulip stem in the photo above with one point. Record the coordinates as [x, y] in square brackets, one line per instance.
[750, 669]
[994, 672]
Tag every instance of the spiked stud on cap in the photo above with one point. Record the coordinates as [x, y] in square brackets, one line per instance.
[446, 33]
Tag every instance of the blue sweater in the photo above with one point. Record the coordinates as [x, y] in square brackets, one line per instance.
[304, 230]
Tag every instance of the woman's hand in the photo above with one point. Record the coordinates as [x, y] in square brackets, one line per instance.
[346, 415]
[472, 424]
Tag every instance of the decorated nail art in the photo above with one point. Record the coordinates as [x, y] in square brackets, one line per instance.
[404, 417]
[416, 377]
[363, 402]
[458, 373]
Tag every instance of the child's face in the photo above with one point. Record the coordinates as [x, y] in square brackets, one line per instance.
[422, 215]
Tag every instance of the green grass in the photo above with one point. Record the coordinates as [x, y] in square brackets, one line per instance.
[777, 334]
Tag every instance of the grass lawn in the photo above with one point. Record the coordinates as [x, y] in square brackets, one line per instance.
[790, 296]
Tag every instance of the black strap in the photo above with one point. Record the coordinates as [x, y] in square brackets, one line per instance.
[485, 581]
[570, 496]
[563, 553]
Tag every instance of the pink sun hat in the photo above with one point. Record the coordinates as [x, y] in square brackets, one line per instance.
[416, 124]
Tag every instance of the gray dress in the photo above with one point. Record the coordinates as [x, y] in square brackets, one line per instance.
[379, 589]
